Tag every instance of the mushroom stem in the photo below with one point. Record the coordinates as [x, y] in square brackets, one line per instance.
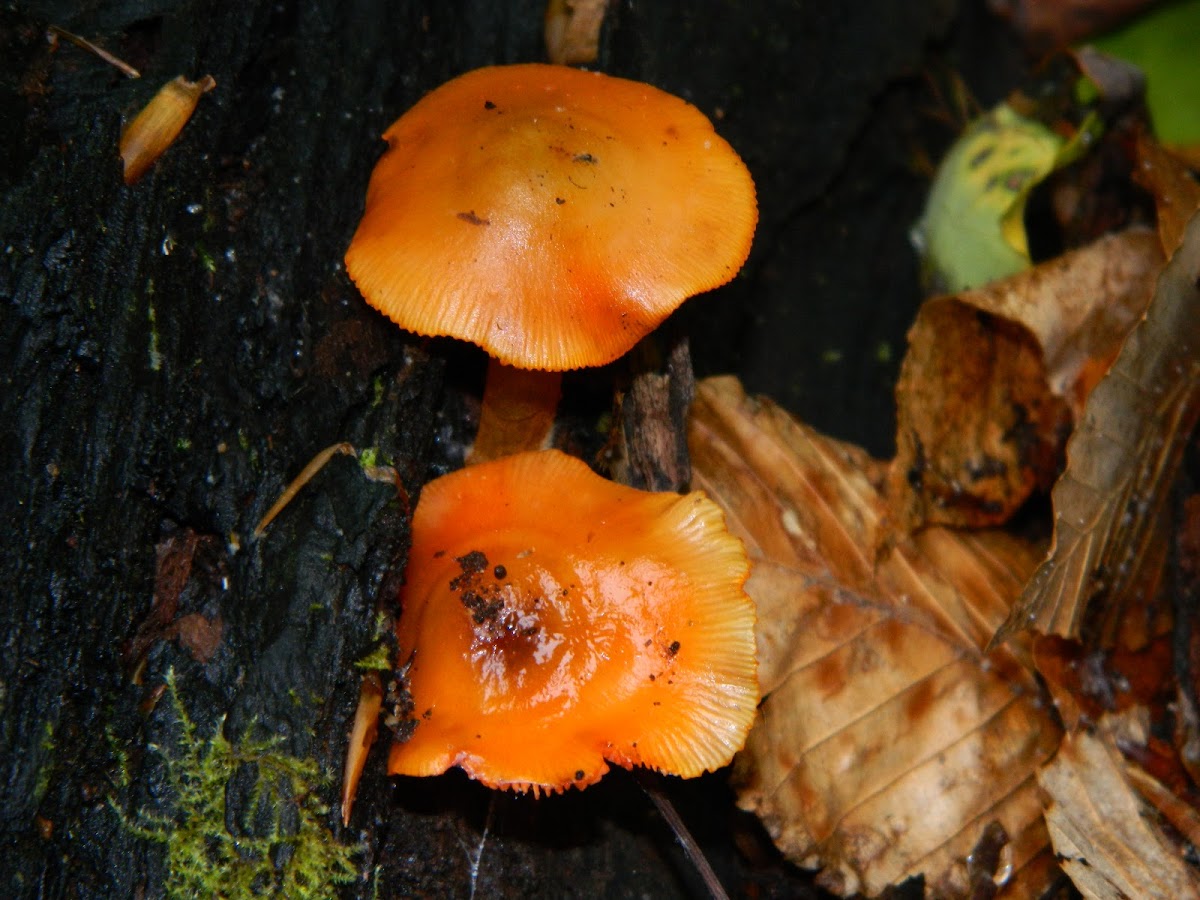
[519, 406]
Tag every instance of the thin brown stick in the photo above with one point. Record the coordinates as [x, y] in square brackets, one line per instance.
[55, 32]
[317, 463]
[649, 782]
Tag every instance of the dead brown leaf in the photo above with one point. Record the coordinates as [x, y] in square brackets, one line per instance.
[1187, 552]
[993, 376]
[199, 635]
[1046, 24]
[1176, 192]
[1087, 684]
[1122, 458]
[888, 742]
[1101, 831]
[179, 557]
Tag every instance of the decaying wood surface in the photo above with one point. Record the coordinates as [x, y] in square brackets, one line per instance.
[175, 351]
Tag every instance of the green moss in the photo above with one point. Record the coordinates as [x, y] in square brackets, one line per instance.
[372, 461]
[379, 659]
[46, 763]
[154, 352]
[206, 259]
[291, 852]
[382, 625]
[248, 448]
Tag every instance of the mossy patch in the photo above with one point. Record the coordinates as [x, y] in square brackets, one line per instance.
[379, 659]
[289, 851]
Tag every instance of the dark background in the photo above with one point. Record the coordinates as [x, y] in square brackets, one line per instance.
[175, 351]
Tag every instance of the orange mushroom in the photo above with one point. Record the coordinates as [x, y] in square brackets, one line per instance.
[552, 216]
[553, 620]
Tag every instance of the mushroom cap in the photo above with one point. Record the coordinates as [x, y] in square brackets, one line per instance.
[552, 216]
[553, 620]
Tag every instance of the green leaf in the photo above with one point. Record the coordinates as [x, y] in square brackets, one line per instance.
[972, 231]
[1165, 45]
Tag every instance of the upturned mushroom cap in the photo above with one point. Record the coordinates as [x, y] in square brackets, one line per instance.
[553, 620]
[550, 215]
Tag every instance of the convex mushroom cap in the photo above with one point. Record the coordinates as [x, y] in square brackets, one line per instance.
[550, 215]
[553, 620]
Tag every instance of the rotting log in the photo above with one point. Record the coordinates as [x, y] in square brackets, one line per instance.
[176, 350]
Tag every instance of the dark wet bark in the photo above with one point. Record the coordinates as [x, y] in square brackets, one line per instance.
[175, 351]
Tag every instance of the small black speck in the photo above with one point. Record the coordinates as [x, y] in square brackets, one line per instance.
[488, 104]
[500, 572]
[427, 713]
[559, 200]
[584, 158]
[651, 677]
[674, 648]
[579, 774]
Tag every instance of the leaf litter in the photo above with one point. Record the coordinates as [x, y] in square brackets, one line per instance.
[1122, 457]
[880, 696]
[917, 719]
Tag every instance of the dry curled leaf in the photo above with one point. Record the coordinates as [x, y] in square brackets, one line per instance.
[1176, 191]
[1107, 844]
[1122, 458]
[992, 376]
[888, 742]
